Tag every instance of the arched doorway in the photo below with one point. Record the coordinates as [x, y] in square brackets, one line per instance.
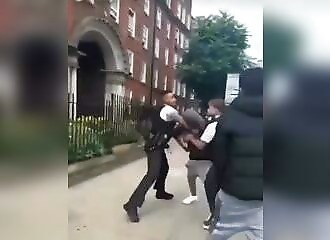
[91, 79]
[101, 58]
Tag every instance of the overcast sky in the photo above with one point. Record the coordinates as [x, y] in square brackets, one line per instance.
[249, 13]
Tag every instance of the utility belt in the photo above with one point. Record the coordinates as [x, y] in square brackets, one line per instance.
[156, 141]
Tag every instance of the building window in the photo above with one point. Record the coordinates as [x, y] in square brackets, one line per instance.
[183, 16]
[147, 7]
[114, 9]
[169, 3]
[174, 86]
[159, 18]
[144, 72]
[181, 60]
[155, 102]
[130, 95]
[176, 59]
[184, 90]
[156, 77]
[143, 99]
[145, 37]
[188, 21]
[168, 30]
[131, 22]
[131, 61]
[165, 82]
[178, 89]
[157, 48]
[182, 40]
[192, 95]
[177, 36]
[179, 10]
[167, 54]
[186, 43]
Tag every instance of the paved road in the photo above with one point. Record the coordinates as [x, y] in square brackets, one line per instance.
[95, 206]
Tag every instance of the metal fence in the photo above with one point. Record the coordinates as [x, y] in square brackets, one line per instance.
[94, 134]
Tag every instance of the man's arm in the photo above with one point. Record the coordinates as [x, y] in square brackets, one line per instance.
[206, 137]
[175, 116]
[181, 143]
[197, 143]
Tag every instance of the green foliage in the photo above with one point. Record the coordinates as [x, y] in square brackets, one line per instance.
[94, 137]
[216, 49]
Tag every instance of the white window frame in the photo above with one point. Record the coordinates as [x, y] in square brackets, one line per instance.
[177, 36]
[134, 22]
[186, 43]
[183, 15]
[179, 10]
[192, 95]
[168, 30]
[159, 18]
[178, 89]
[165, 82]
[188, 21]
[156, 78]
[131, 61]
[115, 10]
[155, 102]
[169, 3]
[176, 59]
[174, 86]
[147, 7]
[145, 37]
[182, 38]
[143, 99]
[167, 56]
[184, 90]
[157, 46]
[144, 72]
[130, 95]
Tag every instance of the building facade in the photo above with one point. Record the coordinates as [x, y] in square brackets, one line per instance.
[127, 47]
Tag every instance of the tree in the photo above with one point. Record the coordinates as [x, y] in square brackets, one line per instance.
[216, 48]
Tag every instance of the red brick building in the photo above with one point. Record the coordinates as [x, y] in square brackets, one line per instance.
[127, 47]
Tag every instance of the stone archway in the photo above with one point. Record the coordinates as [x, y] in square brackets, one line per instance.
[103, 65]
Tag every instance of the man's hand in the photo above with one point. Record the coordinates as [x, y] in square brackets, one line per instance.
[188, 137]
[182, 143]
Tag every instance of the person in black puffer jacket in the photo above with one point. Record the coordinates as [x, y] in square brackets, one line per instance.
[238, 160]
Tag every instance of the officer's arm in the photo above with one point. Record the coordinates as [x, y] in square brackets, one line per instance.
[206, 137]
[198, 143]
[175, 116]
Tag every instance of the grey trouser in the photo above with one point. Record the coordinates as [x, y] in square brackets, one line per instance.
[157, 172]
[198, 168]
[238, 217]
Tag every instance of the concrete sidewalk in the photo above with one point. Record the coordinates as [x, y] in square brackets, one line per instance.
[95, 206]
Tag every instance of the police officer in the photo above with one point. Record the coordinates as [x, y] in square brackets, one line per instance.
[201, 156]
[162, 130]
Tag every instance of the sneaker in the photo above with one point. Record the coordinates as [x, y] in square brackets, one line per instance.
[164, 196]
[189, 200]
[132, 213]
[208, 222]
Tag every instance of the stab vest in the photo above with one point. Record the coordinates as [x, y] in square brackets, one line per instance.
[206, 153]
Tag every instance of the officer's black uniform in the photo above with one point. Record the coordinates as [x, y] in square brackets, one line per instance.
[155, 145]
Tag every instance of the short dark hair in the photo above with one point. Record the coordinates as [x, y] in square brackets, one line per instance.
[251, 81]
[165, 92]
[218, 103]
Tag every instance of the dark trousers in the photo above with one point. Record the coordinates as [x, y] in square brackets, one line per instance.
[157, 172]
[212, 188]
